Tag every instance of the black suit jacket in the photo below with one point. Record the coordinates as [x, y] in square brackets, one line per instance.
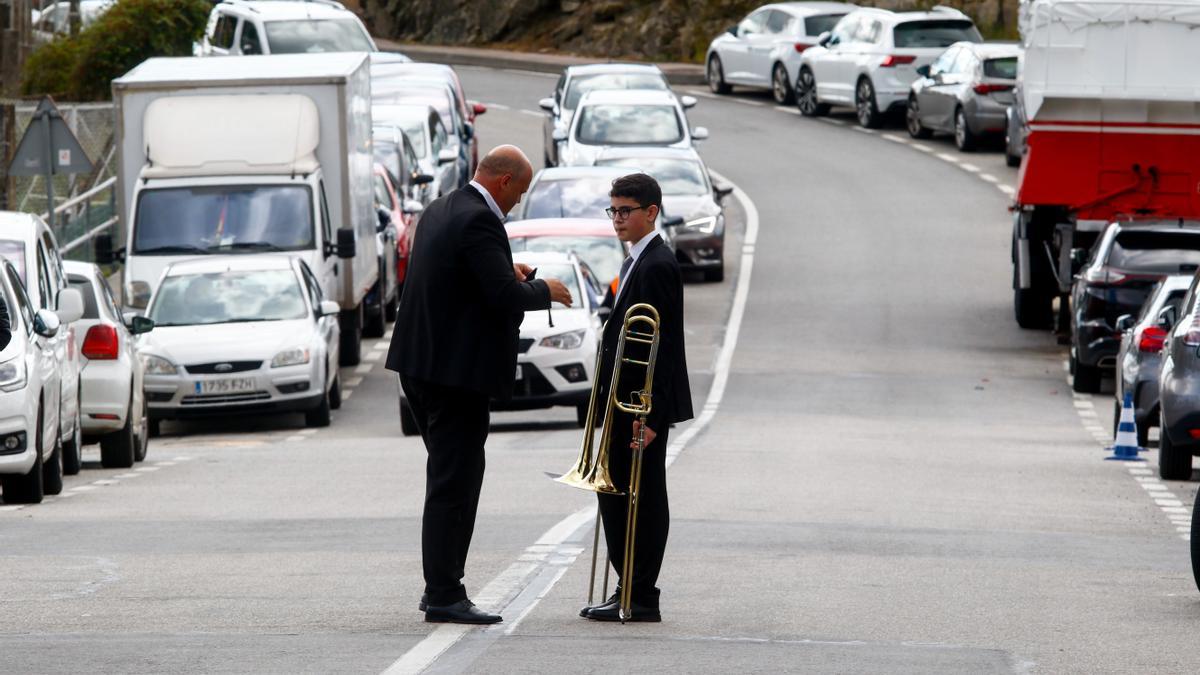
[462, 307]
[657, 281]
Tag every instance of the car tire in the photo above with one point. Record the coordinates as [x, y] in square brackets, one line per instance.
[72, 450]
[408, 421]
[717, 275]
[1086, 378]
[1174, 462]
[350, 350]
[781, 86]
[119, 449]
[866, 109]
[1010, 158]
[335, 393]
[912, 120]
[1195, 541]
[581, 411]
[376, 321]
[321, 415]
[806, 95]
[964, 138]
[714, 75]
[142, 431]
[153, 427]
[27, 488]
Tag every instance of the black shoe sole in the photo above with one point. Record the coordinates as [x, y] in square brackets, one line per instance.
[430, 619]
[609, 618]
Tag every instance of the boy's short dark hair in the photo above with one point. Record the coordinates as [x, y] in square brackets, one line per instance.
[639, 187]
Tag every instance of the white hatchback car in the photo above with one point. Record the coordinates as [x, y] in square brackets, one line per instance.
[241, 27]
[763, 50]
[870, 59]
[111, 398]
[626, 117]
[30, 447]
[241, 334]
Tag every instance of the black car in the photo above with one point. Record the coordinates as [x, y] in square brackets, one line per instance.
[1125, 263]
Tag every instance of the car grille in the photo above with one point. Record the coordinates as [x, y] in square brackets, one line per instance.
[210, 399]
[532, 383]
[211, 368]
[524, 344]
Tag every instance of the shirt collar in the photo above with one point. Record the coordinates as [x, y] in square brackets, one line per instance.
[636, 250]
[487, 197]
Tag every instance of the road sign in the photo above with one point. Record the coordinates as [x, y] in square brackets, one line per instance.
[47, 149]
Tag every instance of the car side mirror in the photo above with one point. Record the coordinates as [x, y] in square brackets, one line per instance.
[139, 324]
[923, 71]
[699, 133]
[478, 108]
[1167, 317]
[329, 308]
[720, 192]
[672, 221]
[346, 244]
[385, 219]
[688, 102]
[824, 39]
[546, 104]
[46, 323]
[732, 30]
[447, 155]
[412, 207]
[422, 179]
[70, 305]
[468, 131]
[1124, 323]
[559, 135]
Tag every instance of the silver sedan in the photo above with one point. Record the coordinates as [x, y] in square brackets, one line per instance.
[966, 92]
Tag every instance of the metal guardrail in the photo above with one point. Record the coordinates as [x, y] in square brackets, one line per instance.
[78, 214]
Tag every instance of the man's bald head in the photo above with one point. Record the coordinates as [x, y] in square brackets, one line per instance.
[505, 172]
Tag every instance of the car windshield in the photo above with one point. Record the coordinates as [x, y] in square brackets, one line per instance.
[1005, 68]
[422, 97]
[815, 25]
[620, 124]
[674, 176]
[934, 34]
[569, 198]
[582, 84]
[565, 274]
[313, 36]
[171, 221]
[14, 252]
[603, 254]
[232, 296]
[1155, 252]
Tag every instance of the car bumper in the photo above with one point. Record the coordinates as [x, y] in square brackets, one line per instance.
[1180, 404]
[285, 389]
[698, 250]
[20, 459]
[104, 396]
[985, 116]
[544, 383]
[1096, 344]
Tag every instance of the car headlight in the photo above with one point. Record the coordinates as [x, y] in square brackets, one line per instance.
[290, 357]
[706, 224]
[571, 340]
[157, 365]
[12, 375]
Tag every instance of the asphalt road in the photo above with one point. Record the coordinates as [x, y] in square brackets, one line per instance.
[888, 476]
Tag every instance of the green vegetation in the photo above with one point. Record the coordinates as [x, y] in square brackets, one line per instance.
[81, 68]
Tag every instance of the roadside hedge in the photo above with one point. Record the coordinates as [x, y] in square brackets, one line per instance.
[131, 31]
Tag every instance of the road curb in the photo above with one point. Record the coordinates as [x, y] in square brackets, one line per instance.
[677, 73]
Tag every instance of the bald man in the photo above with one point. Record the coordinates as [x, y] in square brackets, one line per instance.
[455, 347]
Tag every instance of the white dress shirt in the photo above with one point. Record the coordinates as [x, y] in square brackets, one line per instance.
[635, 252]
[487, 197]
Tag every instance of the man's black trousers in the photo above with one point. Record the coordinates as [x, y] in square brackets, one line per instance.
[454, 425]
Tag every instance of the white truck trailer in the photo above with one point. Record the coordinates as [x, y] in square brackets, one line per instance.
[253, 155]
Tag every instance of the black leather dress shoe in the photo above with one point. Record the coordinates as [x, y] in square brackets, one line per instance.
[612, 600]
[424, 602]
[612, 612]
[463, 611]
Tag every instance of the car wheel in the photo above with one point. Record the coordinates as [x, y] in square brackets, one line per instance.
[1011, 158]
[118, 449]
[52, 470]
[714, 74]
[1174, 462]
[806, 95]
[781, 86]
[1195, 543]
[335, 393]
[72, 452]
[912, 120]
[350, 350]
[27, 488]
[865, 107]
[1087, 378]
[964, 138]
[716, 275]
[408, 421]
[320, 416]
[142, 432]
[375, 325]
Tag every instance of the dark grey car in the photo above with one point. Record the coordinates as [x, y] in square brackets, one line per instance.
[1139, 358]
[1179, 392]
[965, 92]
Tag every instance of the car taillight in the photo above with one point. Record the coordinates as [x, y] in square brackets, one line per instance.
[101, 343]
[991, 88]
[1103, 275]
[896, 60]
[1151, 339]
[801, 46]
[1192, 337]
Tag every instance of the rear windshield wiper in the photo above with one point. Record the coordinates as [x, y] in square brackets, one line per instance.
[174, 248]
[244, 245]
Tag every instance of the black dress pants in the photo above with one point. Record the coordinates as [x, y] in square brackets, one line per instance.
[654, 517]
[454, 425]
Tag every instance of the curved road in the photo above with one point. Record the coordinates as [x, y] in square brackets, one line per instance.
[890, 475]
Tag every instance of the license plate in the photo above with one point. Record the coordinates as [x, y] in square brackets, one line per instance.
[520, 372]
[227, 386]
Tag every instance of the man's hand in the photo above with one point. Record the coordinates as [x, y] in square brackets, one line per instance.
[521, 270]
[649, 435]
[559, 292]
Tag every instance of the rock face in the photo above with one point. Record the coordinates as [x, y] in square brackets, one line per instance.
[664, 30]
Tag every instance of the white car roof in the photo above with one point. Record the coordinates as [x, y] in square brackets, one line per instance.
[649, 152]
[86, 269]
[629, 97]
[594, 68]
[576, 172]
[535, 258]
[275, 10]
[221, 263]
[812, 8]
[15, 222]
[384, 113]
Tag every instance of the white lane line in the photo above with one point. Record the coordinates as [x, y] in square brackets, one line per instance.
[947, 158]
[352, 383]
[788, 109]
[534, 113]
[165, 463]
[427, 651]
[1007, 189]
[372, 356]
[12, 507]
[830, 120]
[307, 432]
[83, 488]
[364, 368]
[748, 102]
[381, 346]
[346, 394]
[297, 438]
[967, 166]
[704, 94]
[922, 148]
[896, 139]
[123, 476]
[146, 469]
[863, 130]
[989, 178]
[104, 481]
[184, 459]
[497, 106]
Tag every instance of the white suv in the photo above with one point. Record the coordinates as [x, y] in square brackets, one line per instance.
[272, 27]
[870, 59]
[610, 117]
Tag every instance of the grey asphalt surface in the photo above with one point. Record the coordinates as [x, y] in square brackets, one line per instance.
[897, 479]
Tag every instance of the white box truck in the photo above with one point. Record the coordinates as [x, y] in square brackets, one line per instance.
[253, 155]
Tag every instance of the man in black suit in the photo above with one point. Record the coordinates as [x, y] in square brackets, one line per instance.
[649, 275]
[455, 347]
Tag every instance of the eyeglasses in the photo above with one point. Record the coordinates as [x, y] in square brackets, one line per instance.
[622, 211]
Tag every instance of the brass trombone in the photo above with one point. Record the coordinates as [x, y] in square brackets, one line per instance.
[591, 470]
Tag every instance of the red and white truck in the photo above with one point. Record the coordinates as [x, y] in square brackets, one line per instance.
[1111, 94]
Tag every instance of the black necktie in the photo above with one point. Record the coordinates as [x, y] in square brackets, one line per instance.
[624, 271]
